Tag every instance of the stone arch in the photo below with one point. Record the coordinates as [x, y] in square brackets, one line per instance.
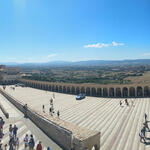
[53, 88]
[49, 87]
[41, 86]
[132, 92]
[146, 91]
[46, 87]
[125, 92]
[118, 92]
[68, 89]
[139, 91]
[99, 92]
[82, 90]
[77, 90]
[88, 91]
[111, 92]
[93, 91]
[60, 89]
[73, 90]
[64, 89]
[105, 92]
[56, 88]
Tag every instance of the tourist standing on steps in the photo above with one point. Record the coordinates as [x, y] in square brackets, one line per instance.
[126, 101]
[50, 111]
[142, 136]
[16, 143]
[1, 145]
[120, 103]
[146, 125]
[39, 146]
[43, 109]
[26, 140]
[145, 116]
[25, 107]
[15, 128]
[48, 148]
[31, 142]
[58, 113]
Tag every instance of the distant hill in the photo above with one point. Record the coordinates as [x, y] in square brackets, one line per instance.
[84, 63]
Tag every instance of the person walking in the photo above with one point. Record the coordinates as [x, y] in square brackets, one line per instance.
[120, 103]
[142, 137]
[26, 140]
[51, 111]
[145, 116]
[11, 144]
[1, 145]
[39, 146]
[10, 128]
[126, 101]
[31, 142]
[16, 143]
[25, 107]
[1, 133]
[58, 113]
[146, 126]
[15, 128]
[48, 148]
[43, 108]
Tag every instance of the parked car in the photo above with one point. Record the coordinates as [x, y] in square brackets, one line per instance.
[80, 96]
[19, 84]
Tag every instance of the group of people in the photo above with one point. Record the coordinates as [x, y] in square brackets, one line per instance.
[13, 143]
[13, 138]
[144, 129]
[51, 109]
[30, 143]
[126, 102]
[2, 122]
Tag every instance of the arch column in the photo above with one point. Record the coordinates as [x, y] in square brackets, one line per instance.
[142, 91]
[135, 91]
[114, 92]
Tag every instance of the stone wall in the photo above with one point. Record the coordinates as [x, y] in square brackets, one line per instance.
[97, 90]
[64, 134]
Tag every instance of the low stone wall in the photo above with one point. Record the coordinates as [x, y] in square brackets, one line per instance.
[68, 136]
[4, 111]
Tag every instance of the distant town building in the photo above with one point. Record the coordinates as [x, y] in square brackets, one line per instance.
[9, 75]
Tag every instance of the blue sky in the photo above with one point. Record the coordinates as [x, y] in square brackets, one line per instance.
[73, 30]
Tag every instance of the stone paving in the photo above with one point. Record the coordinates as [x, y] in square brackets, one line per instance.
[119, 126]
[25, 126]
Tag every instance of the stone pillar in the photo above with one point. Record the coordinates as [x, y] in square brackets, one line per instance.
[102, 91]
[142, 91]
[121, 92]
[135, 91]
[114, 92]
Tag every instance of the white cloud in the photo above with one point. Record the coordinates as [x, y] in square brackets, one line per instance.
[101, 45]
[98, 45]
[146, 54]
[117, 44]
[51, 55]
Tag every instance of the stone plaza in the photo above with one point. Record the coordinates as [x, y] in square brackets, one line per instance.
[119, 126]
